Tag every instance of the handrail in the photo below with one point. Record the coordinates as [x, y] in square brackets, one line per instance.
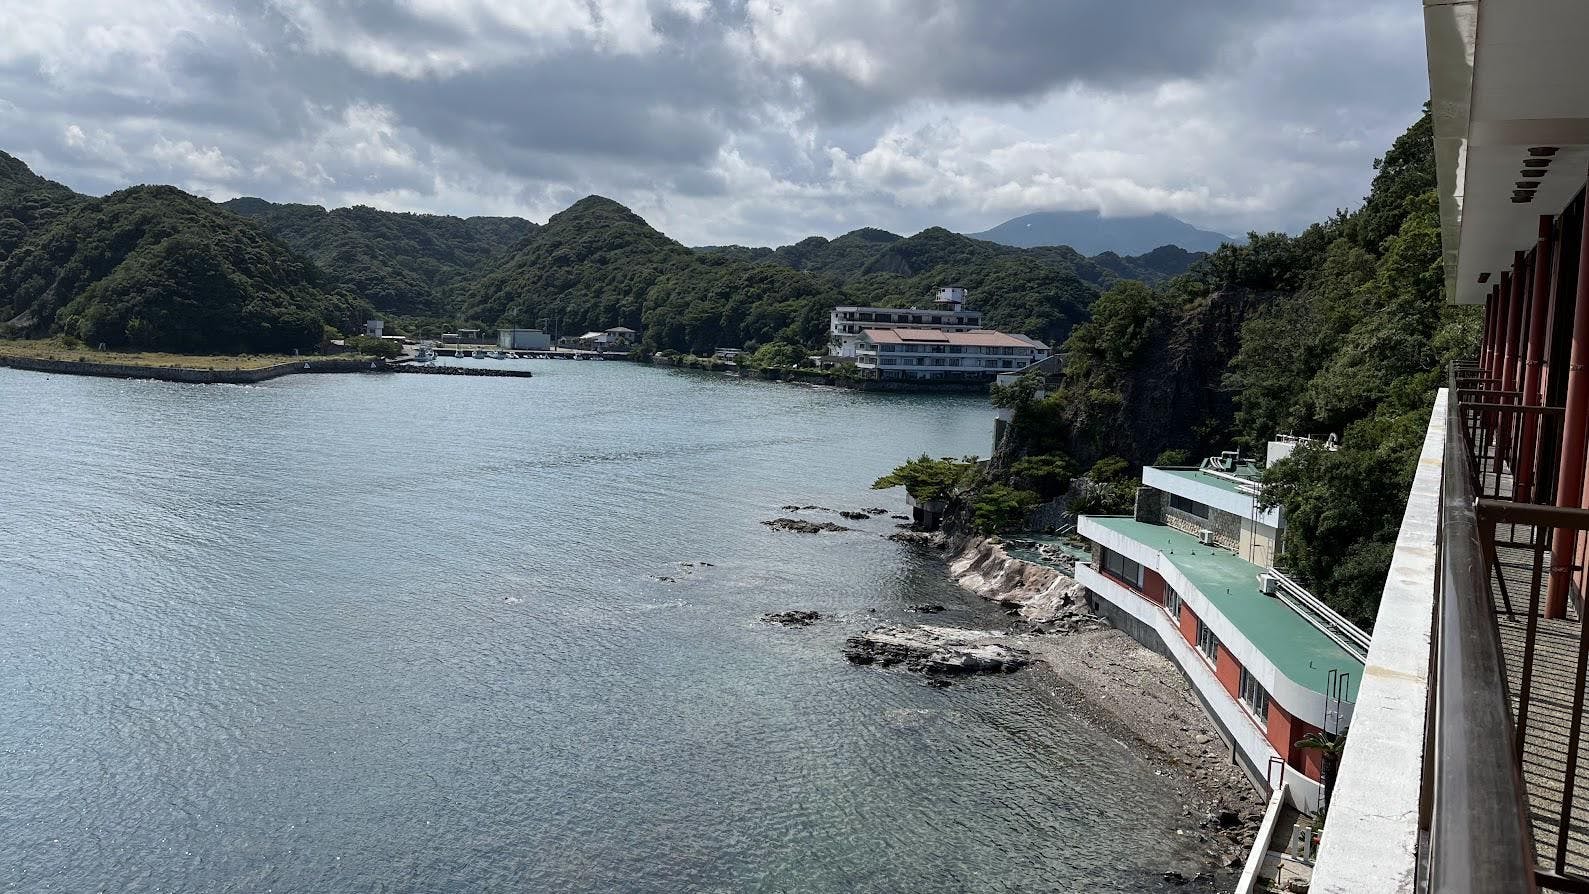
[1479, 838]
[1326, 620]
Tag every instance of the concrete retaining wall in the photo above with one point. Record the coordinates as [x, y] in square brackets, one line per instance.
[190, 376]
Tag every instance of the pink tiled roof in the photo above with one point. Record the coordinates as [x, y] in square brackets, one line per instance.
[979, 338]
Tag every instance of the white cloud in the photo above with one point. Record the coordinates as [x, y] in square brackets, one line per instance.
[721, 121]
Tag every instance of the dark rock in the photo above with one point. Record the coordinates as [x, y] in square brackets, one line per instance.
[938, 683]
[854, 516]
[791, 508]
[876, 511]
[802, 526]
[1174, 878]
[792, 618]
[926, 608]
[901, 517]
[1229, 818]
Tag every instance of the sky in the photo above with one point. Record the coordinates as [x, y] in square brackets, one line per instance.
[756, 122]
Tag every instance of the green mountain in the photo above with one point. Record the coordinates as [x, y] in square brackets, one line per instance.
[842, 259]
[28, 203]
[409, 264]
[598, 264]
[155, 268]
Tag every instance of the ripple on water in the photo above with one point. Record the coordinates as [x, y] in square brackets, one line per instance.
[356, 633]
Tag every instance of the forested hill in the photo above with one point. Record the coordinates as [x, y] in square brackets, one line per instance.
[1341, 329]
[27, 203]
[155, 268]
[852, 255]
[127, 269]
[407, 264]
[598, 264]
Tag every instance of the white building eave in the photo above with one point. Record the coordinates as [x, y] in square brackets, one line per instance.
[1501, 84]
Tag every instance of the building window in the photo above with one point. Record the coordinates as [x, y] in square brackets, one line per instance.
[1172, 602]
[1206, 642]
[1255, 696]
[1190, 507]
[1122, 568]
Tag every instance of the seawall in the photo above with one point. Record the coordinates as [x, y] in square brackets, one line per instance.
[818, 377]
[187, 374]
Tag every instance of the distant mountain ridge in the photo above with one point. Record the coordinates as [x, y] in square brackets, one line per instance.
[1090, 233]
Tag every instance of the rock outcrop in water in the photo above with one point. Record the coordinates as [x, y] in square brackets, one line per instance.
[801, 526]
[935, 650]
[793, 618]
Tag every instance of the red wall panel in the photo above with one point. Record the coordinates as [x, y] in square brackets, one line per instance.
[1228, 672]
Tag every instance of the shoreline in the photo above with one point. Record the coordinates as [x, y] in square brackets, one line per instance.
[195, 375]
[1134, 694]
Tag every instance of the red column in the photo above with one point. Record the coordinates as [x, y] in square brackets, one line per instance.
[1503, 295]
[1569, 480]
[1533, 357]
[1514, 325]
[1505, 420]
[1487, 346]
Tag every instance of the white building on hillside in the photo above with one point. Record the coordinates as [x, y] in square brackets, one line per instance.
[899, 353]
[948, 314]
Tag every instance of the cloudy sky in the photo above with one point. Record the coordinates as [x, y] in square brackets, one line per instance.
[750, 121]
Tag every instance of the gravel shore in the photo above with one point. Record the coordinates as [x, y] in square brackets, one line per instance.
[1137, 695]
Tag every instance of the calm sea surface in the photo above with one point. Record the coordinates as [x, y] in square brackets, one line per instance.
[404, 633]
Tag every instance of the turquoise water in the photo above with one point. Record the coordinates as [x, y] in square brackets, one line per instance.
[411, 633]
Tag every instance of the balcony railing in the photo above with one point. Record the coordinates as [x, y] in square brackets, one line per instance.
[1481, 652]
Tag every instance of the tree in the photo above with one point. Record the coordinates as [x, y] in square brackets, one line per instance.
[927, 479]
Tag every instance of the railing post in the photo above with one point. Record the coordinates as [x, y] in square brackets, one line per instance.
[1575, 423]
[1533, 357]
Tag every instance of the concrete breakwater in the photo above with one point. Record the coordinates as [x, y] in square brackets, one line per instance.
[192, 375]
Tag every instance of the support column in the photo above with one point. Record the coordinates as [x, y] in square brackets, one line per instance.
[1503, 295]
[1506, 420]
[1487, 345]
[1533, 359]
[1569, 480]
[1514, 325]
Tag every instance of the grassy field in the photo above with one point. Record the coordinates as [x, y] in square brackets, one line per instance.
[51, 349]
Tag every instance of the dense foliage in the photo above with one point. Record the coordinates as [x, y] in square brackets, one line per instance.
[407, 264]
[1341, 329]
[154, 268]
[597, 264]
[28, 203]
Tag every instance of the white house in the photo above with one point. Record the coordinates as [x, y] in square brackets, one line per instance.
[948, 314]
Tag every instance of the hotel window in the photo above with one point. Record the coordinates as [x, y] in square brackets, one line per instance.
[1172, 602]
[1190, 507]
[1206, 642]
[1255, 696]
[1122, 568]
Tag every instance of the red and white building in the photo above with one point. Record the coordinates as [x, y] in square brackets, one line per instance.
[1272, 665]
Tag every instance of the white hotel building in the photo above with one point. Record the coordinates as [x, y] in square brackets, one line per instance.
[948, 314]
[932, 354]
